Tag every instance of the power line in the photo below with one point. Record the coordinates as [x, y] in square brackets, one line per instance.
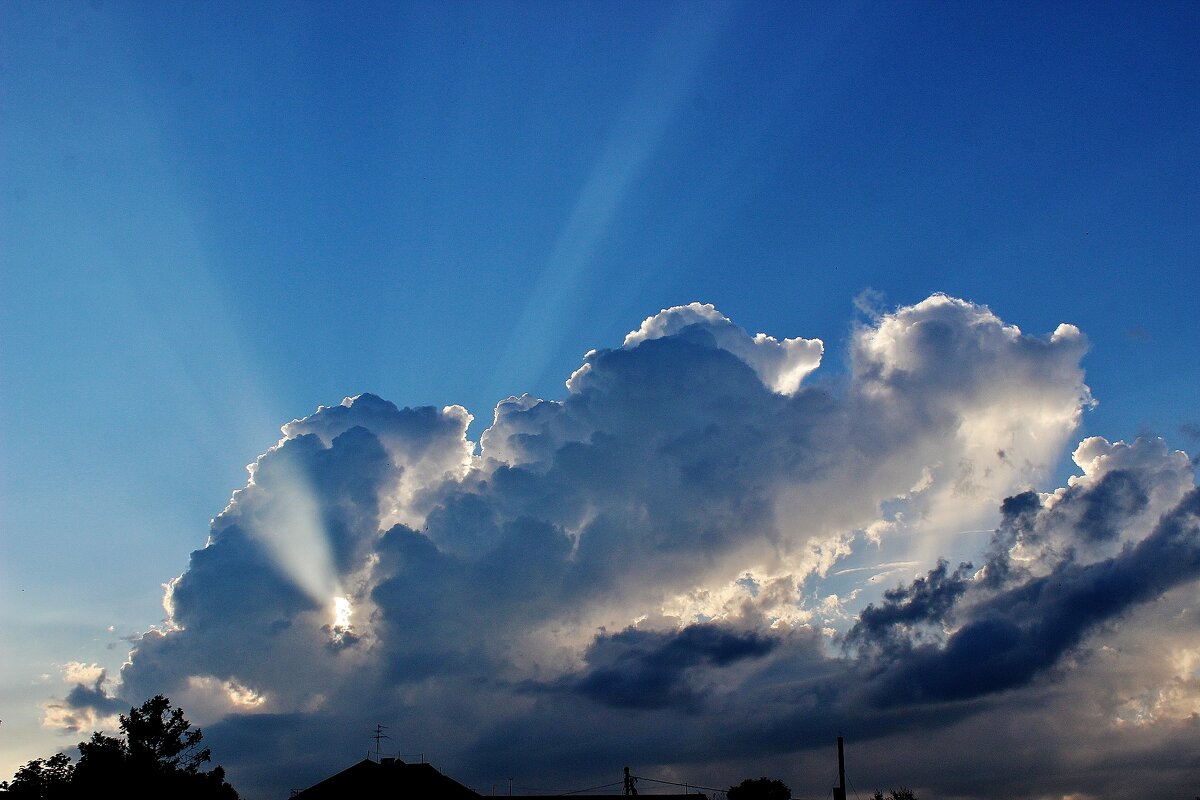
[593, 788]
[684, 785]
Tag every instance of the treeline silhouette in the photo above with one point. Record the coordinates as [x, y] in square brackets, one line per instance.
[759, 789]
[774, 789]
[159, 755]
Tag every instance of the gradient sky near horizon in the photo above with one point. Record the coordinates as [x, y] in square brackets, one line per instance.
[217, 217]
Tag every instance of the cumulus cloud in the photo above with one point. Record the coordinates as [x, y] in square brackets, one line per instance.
[780, 365]
[695, 539]
[88, 705]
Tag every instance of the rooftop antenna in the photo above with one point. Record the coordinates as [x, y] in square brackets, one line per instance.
[379, 736]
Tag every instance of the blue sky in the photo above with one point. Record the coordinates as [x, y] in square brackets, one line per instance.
[216, 218]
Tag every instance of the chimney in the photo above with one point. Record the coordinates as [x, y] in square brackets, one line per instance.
[839, 792]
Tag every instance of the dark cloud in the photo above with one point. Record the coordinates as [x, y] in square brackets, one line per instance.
[650, 669]
[1013, 636]
[88, 705]
[93, 698]
[1107, 506]
[1018, 525]
[906, 611]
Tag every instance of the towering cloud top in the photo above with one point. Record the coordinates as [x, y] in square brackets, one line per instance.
[780, 365]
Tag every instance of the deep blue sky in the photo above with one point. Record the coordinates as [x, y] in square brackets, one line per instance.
[217, 216]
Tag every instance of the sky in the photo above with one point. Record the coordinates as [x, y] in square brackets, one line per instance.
[622, 383]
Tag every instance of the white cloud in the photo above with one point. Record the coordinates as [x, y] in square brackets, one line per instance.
[781, 365]
[79, 672]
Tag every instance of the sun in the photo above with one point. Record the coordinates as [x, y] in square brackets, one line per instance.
[341, 613]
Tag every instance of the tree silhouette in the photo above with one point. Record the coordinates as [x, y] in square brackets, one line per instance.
[42, 778]
[160, 738]
[159, 756]
[895, 794]
[760, 789]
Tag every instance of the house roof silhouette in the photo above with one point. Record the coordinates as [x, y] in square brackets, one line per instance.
[396, 780]
[689, 796]
[391, 778]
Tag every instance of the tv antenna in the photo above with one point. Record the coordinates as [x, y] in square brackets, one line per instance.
[379, 736]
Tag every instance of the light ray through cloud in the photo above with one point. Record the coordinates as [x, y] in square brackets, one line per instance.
[287, 522]
[666, 79]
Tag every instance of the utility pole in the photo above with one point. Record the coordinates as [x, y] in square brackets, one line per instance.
[839, 791]
[630, 783]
